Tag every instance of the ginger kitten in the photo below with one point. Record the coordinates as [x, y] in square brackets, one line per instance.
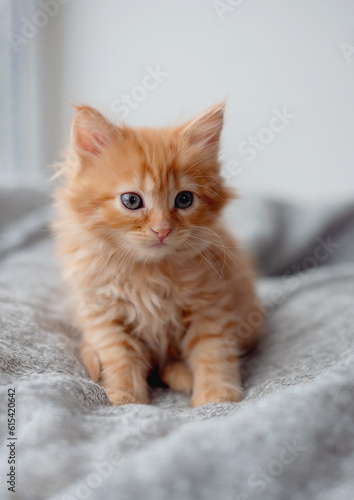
[155, 278]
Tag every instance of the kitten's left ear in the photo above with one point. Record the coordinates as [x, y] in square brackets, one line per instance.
[205, 129]
[91, 132]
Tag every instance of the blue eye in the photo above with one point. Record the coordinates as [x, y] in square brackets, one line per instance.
[132, 201]
[184, 199]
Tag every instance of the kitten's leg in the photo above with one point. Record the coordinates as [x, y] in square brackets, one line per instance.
[178, 376]
[124, 366]
[91, 360]
[214, 362]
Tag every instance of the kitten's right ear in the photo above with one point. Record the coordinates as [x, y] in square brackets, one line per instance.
[91, 132]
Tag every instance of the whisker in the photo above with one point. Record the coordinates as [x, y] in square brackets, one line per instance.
[203, 257]
[238, 263]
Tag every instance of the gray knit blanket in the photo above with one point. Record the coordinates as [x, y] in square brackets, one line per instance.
[292, 437]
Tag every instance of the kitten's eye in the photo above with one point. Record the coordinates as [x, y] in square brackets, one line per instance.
[184, 199]
[131, 200]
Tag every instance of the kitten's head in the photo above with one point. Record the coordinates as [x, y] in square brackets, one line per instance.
[152, 192]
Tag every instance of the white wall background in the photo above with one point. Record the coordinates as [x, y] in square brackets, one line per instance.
[263, 54]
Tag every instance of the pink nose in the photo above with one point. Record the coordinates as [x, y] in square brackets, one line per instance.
[161, 232]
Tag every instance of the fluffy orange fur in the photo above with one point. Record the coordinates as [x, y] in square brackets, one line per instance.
[161, 285]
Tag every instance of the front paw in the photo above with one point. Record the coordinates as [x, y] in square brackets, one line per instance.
[118, 398]
[91, 360]
[217, 394]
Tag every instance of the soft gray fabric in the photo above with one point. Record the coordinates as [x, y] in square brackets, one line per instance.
[291, 438]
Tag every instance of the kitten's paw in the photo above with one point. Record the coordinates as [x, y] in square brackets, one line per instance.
[91, 361]
[178, 376]
[217, 394]
[118, 398]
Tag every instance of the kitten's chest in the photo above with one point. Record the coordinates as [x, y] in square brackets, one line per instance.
[154, 311]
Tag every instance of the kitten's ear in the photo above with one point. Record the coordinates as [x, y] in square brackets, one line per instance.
[91, 132]
[205, 129]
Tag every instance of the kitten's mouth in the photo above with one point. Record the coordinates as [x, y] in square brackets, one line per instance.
[158, 244]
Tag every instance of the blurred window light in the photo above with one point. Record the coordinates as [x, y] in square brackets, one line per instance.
[19, 144]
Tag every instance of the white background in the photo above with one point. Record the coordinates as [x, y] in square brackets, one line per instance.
[263, 54]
